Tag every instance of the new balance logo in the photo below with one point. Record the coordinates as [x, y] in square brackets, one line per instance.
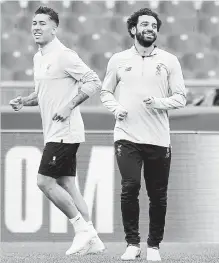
[48, 66]
[53, 162]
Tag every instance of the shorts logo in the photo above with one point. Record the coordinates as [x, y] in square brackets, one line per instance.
[128, 69]
[119, 151]
[167, 153]
[53, 162]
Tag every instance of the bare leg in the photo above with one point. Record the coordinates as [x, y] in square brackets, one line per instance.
[58, 195]
[68, 183]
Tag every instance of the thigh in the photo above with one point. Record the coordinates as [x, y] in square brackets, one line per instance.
[45, 180]
[157, 161]
[59, 159]
[129, 160]
[67, 182]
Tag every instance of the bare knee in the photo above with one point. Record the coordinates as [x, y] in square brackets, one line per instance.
[44, 182]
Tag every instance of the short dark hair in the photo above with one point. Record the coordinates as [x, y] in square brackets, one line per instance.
[133, 19]
[50, 12]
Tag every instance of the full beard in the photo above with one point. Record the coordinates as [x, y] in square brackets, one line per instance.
[143, 42]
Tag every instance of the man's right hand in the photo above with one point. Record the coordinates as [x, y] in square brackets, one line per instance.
[120, 114]
[17, 103]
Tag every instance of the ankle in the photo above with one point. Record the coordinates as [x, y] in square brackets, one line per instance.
[79, 223]
[153, 247]
[91, 227]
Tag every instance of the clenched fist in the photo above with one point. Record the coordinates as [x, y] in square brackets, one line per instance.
[16, 103]
[120, 114]
[149, 102]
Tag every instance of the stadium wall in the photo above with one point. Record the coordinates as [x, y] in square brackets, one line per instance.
[193, 211]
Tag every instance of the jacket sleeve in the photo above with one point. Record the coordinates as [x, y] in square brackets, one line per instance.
[109, 86]
[177, 97]
[77, 69]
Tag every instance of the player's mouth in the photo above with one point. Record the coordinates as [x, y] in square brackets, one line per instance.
[37, 34]
[149, 34]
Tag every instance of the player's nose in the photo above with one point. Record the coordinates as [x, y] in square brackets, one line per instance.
[149, 28]
[36, 27]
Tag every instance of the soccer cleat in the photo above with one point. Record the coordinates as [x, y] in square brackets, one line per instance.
[132, 252]
[80, 241]
[153, 254]
[95, 246]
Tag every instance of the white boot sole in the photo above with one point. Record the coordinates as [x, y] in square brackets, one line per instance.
[88, 250]
[80, 248]
[131, 259]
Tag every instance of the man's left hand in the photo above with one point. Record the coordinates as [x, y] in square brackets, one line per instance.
[62, 114]
[149, 102]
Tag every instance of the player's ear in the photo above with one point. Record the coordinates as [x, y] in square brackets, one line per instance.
[133, 30]
[54, 30]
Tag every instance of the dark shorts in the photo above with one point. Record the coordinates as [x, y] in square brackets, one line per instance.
[59, 159]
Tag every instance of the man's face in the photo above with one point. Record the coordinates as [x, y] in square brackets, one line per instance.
[146, 30]
[43, 29]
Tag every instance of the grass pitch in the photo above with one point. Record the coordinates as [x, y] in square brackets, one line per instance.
[43, 252]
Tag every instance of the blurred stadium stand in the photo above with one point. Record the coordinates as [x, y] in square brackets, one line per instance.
[97, 29]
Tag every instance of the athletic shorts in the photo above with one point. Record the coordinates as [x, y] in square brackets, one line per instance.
[59, 159]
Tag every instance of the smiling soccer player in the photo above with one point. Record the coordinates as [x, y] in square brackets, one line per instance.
[62, 82]
[140, 86]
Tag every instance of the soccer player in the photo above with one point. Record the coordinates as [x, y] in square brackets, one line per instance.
[62, 82]
[141, 84]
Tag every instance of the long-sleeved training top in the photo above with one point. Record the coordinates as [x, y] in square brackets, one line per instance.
[130, 78]
[58, 75]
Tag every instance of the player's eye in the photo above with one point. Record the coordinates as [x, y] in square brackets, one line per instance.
[144, 24]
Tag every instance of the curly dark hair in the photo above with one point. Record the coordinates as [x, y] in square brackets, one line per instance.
[133, 19]
[50, 12]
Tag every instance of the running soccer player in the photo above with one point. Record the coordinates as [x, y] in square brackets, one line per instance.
[140, 86]
[62, 82]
